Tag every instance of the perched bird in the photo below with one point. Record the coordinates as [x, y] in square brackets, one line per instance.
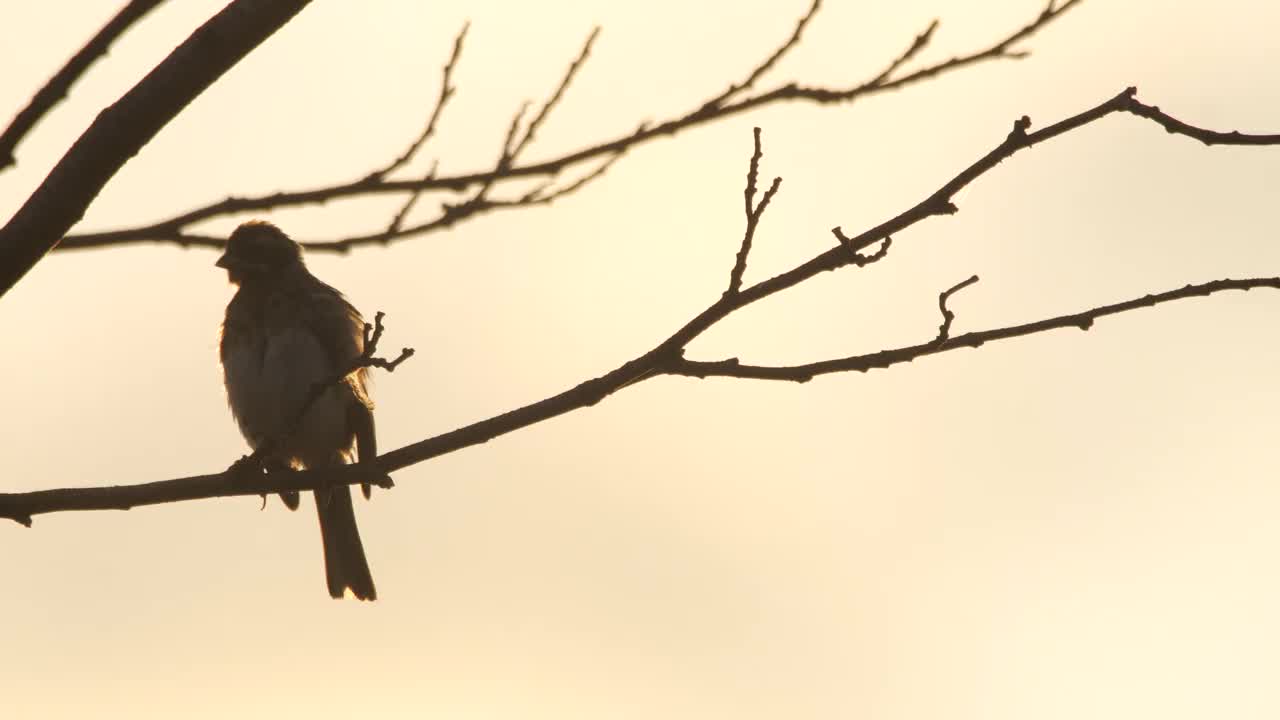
[286, 331]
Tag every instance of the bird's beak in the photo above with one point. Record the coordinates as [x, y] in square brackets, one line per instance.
[225, 262]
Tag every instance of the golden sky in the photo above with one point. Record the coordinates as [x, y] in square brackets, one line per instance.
[1062, 526]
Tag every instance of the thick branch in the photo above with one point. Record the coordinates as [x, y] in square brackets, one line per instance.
[667, 358]
[120, 131]
[733, 101]
[60, 84]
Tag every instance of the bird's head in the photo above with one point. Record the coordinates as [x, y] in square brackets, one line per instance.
[257, 251]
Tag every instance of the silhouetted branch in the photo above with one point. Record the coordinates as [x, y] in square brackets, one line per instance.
[764, 67]
[60, 84]
[447, 89]
[940, 203]
[948, 317]
[668, 357]
[1082, 320]
[921, 41]
[736, 99]
[753, 212]
[122, 129]
[550, 104]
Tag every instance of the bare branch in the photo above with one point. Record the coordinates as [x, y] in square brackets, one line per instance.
[549, 105]
[1082, 320]
[1001, 49]
[450, 214]
[1208, 137]
[860, 259]
[666, 358]
[60, 84]
[547, 193]
[921, 41]
[768, 63]
[120, 131]
[753, 213]
[176, 228]
[447, 89]
[940, 203]
[948, 317]
[397, 221]
[373, 334]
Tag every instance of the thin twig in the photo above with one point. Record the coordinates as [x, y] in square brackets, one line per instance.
[551, 102]
[764, 67]
[860, 259]
[948, 317]
[920, 42]
[397, 221]
[753, 213]
[447, 89]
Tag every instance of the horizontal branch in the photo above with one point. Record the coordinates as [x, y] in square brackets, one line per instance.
[668, 357]
[736, 100]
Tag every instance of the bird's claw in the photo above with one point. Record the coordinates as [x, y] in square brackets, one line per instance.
[246, 469]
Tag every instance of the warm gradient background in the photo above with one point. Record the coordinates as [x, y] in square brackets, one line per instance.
[1065, 526]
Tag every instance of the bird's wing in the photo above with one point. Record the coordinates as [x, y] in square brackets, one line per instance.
[339, 328]
[311, 333]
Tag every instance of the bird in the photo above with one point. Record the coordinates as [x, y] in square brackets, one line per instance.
[285, 332]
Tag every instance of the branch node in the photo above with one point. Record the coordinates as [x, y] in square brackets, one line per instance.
[1019, 132]
[862, 260]
[21, 518]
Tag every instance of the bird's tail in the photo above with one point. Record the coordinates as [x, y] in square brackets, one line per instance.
[345, 565]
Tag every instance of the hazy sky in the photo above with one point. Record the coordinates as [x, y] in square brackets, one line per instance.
[1063, 526]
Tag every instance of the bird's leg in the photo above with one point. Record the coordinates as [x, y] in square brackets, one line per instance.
[288, 497]
[246, 470]
[376, 477]
[248, 467]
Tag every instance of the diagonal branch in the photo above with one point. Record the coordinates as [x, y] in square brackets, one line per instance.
[120, 131]
[917, 45]
[760, 70]
[882, 359]
[177, 229]
[60, 84]
[447, 89]
[550, 104]
[668, 356]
